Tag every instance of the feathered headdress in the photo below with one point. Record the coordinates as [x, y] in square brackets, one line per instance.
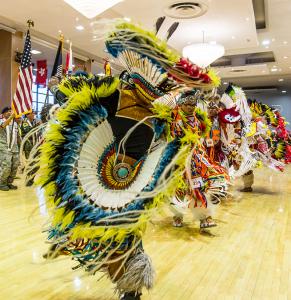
[141, 52]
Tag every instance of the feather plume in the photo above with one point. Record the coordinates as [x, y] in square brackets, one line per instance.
[172, 29]
[159, 23]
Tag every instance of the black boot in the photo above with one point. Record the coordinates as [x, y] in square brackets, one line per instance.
[4, 187]
[246, 190]
[130, 296]
[12, 187]
[29, 182]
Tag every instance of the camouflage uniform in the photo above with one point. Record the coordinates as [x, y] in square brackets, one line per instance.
[9, 158]
[25, 128]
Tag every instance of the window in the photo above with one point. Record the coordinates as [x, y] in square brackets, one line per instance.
[40, 96]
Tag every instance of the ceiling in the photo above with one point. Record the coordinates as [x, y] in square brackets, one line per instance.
[228, 22]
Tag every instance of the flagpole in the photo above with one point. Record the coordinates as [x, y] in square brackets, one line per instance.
[46, 97]
[11, 133]
[30, 23]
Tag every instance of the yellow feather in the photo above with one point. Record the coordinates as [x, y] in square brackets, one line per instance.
[68, 219]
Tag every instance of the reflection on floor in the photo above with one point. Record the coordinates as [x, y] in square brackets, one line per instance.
[248, 256]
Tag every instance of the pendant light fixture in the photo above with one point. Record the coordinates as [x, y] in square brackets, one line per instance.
[203, 54]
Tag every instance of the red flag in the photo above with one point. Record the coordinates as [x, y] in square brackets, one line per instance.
[69, 61]
[41, 75]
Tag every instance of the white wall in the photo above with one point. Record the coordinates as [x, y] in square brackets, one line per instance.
[274, 99]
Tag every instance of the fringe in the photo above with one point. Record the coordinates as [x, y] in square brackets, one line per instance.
[139, 273]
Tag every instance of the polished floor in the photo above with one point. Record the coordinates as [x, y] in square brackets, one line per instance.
[248, 256]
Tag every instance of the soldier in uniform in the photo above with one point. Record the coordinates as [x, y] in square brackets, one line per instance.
[9, 153]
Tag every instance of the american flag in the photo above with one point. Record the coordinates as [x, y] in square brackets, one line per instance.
[22, 101]
[58, 65]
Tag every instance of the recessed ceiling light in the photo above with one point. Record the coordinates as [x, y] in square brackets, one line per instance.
[127, 19]
[247, 19]
[92, 8]
[67, 41]
[77, 19]
[233, 37]
[273, 40]
[280, 79]
[284, 92]
[266, 42]
[35, 52]
[285, 57]
[285, 42]
[80, 27]
[94, 37]
[274, 70]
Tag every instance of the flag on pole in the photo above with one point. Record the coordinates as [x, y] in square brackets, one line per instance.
[69, 61]
[58, 65]
[41, 73]
[22, 100]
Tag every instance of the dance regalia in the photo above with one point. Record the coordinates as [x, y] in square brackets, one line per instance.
[205, 180]
[213, 142]
[248, 142]
[278, 138]
[103, 158]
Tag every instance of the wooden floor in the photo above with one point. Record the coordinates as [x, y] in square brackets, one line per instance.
[248, 256]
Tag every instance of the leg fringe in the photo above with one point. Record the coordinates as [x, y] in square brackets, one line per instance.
[138, 273]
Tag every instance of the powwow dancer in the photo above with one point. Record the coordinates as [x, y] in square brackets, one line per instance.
[206, 180]
[248, 143]
[105, 166]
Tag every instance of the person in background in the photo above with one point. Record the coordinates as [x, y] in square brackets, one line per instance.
[206, 174]
[18, 121]
[28, 123]
[9, 152]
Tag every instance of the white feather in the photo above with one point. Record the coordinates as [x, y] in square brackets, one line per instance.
[92, 149]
